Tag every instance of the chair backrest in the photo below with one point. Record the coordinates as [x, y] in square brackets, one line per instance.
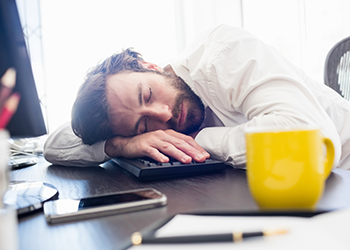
[337, 68]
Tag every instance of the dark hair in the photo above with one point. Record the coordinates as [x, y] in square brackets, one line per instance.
[90, 120]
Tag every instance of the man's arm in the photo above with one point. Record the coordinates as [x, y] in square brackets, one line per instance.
[63, 147]
[158, 145]
[277, 103]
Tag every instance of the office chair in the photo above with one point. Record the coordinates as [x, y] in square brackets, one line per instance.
[337, 68]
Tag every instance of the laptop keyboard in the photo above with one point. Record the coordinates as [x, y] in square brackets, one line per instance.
[147, 169]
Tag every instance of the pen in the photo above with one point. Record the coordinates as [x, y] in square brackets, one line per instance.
[8, 81]
[137, 238]
[9, 109]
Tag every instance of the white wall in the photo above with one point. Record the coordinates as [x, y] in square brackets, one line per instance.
[302, 30]
[77, 34]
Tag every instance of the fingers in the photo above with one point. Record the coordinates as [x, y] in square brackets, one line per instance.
[159, 145]
[190, 141]
[179, 146]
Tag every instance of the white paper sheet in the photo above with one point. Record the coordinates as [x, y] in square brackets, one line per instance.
[325, 231]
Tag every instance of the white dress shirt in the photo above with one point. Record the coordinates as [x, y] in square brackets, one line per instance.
[242, 82]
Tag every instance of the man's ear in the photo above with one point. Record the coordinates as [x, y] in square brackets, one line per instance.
[151, 66]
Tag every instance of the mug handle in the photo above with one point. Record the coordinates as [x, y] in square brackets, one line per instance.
[328, 161]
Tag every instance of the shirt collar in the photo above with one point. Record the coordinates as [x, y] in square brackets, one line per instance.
[181, 70]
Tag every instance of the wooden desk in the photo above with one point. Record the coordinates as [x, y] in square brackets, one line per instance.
[227, 191]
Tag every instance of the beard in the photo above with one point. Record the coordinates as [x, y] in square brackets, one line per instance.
[195, 108]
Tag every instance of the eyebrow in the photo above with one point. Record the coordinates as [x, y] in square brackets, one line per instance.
[139, 89]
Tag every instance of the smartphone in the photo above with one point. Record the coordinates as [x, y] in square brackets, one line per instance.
[114, 203]
[17, 162]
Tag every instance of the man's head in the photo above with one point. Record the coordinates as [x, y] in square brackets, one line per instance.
[126, 96]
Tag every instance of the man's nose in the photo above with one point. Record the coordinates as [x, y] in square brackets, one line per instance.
[162, 113]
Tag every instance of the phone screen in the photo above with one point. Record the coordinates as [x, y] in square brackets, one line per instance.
[135, 198]
[110, 200]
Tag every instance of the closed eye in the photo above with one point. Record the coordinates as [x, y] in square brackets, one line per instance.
[145, 119]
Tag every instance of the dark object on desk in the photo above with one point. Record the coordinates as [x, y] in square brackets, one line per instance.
[29, 196]
[138, 239]
[28, 121]
[337, 67]
[147, 169]
[107, 204]
[22, 161]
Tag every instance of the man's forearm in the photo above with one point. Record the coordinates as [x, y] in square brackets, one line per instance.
[114, 146]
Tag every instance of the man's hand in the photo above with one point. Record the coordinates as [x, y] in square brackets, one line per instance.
[157, 145]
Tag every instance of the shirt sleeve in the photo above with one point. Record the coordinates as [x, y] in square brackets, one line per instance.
[63, 147]
[246, 78]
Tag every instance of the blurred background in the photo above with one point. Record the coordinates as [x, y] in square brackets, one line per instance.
[67, 37]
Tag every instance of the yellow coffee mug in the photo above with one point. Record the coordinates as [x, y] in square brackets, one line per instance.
[287, 168]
